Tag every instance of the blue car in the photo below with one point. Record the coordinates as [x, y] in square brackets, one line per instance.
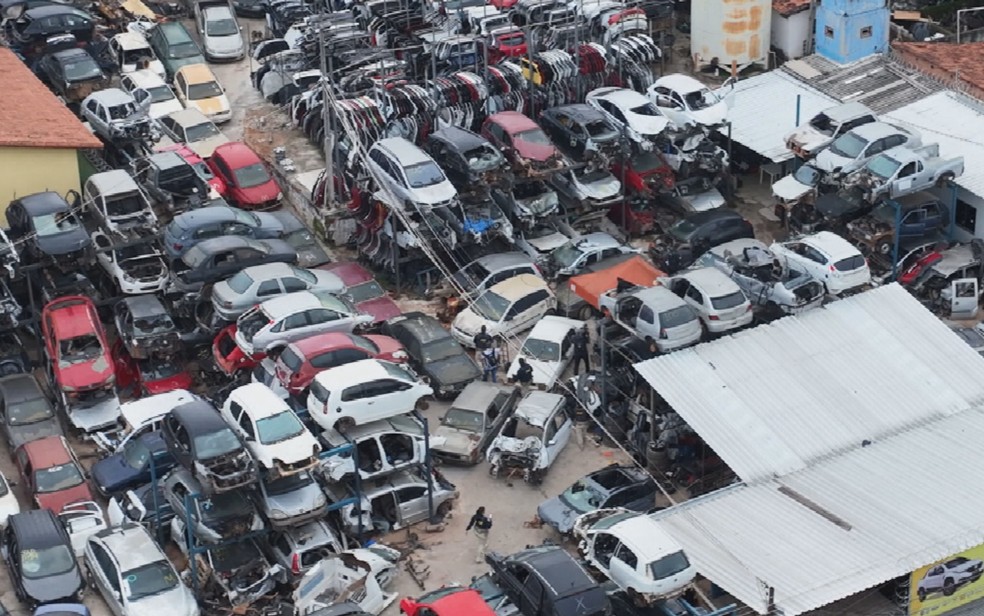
[205, 223]
[63, 609]
[130, 467]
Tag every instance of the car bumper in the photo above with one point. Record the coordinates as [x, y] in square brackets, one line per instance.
[138, 287]
[457, 458]
[464, 338]
[221, 116]
[224, 56]
[718, 327]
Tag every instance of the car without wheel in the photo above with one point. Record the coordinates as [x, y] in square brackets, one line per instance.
[234, 296]
[574, 256]
[395, 502]
[130, 52]
[579, 129]
[695, 234]
[301, 361]
[828, 258]
[472, 421]
[299, 548]
[131, 466]
[215, 518]
[547, 581]
[45, 226]
[688, 102]
[192, 227]
[114, 114]
[433, 352]
[135, 269]
[145, 327]
[613, 486]
[145, 83]
[467, 157]
[33, 26]
[171, 180]
[78, 354]
[118, 204]
[26, 411]
[140, 507]
[381, 447]
[40, 560]
[522, 140]
[73, 74]
[290, 500]
[829, 124]
[853, 149]
[532, 438]
[631, 112]
[240, 570]
[717, 300]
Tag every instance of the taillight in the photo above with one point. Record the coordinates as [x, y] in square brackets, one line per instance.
[714, 317]
[662, 334]
[833, 269]
[179, 246]
[295, 564]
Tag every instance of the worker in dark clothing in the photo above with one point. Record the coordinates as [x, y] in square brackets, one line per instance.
[524, 374]
[581, 422]
[483, 340]
[581, 349]
[490, 364]
[482, 524]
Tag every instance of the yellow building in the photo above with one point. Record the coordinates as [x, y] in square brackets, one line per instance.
[40, 139]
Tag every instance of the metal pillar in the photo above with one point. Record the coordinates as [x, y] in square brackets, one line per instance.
[428, 465]
[952, 228]
[896, 239]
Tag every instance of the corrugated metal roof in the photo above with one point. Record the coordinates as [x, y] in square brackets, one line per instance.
[774, 399]
[764, 111]
[849, 524]
[945, 118]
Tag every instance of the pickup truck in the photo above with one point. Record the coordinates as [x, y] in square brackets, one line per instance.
[901, 171]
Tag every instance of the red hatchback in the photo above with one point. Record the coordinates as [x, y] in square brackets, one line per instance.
[368, 297]
[302, 360]
[249, 184]
[447, 601]
[147, 377]
[519, 137]
[51, 473]
[75, 343]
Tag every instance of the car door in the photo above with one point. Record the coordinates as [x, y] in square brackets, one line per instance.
[391, 397]
[290, 326]
[411, 504]
[268, 289]
[622, 569]
[178, 437]
[933, 580]
[107, 578]
[695, 298]
[556, 434]
[532, 596]
[964, 298]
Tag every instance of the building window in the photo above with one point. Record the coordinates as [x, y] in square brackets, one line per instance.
[966, 217]
[828, 32]
[866, 32]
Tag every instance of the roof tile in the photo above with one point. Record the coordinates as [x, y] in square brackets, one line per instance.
[31, 116]
[947, 61]
[790, 7]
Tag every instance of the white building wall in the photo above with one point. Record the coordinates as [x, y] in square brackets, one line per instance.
[792, 35]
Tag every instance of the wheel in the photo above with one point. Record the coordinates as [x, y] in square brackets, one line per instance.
[949, 587]
[585, 313]
[551, 312]
[344, 424]
[444, 509]
[494, 471]
[885, 247]
[922, 594]
[528, 476]
[945, 179]
[422, 405]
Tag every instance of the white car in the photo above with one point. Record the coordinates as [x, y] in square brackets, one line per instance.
[131, 52]
[634, 551]
[584, 250]
[532, 438]
[624, 108]
[258, 283]
[717, 300]
[946, 577]
[797, 185]
[136, 269]
[808, 139]
[8, 501]
[853, 149]
[117, 202]
[364, 391]
[192, 128]
[687, 101]
[383, 447]
[273, 434]
[145, 82]
[134, 575]
[547, 349]
[279, 321]
[506, 309]
[410, 174]
[829, 258]
[222, 38]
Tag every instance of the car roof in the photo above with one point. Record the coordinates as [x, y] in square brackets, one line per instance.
[269, 270]
[644, 536]
[189, 116]
[199, 416]
[558, 569]
[111, 97]
[460, 138]
[711, 281]
[876, 130]
[397, 423]
[205, 215]
[167, 160]
[292, 303]
[421, 326]
[519, 286]
[478, 395]
[321, 342]
[42, 203]
[146, 78]
[659, 298]
[56, 9]
[47, 452]
[144, 306]
[131, 40]
[220, 11]
[237, 154]
[137, 412]
[513, 121]
[737, 247]
[226, 242]
[403, 150]
[553, 328]
[620, 96]
[173, 30]
[580, 112]
[597, 240]
[350, 272]
[196, 73]
[502, 260]
[259, 400]
[75, 317]
[701, 218]
[113, 182]
[131, 545]
[355, 372]
[20, 387]
[831, 244]
[537, 406]
[72, 54]
[847, 111]
[679, 82]
[37, 528]
[917, 199]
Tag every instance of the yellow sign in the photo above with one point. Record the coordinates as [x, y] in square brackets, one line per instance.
[948, 584]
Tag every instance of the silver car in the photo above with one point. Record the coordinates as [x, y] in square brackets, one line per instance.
[222, 37]
[291, 500]
[396, 502]
[258, 283]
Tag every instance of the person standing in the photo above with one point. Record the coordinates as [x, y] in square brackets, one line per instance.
[524, 374]
[482, 340]
[490, 364]
[581, 349]
[581, 421]
[481, 524]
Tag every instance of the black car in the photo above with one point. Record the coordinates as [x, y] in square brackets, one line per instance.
[73, 74]
[25, 411]
[250, 8]
[35, 25]
[201, 441]
[547, 581]
[145, 327]
[579, 127]
[613, 486]
[219, 258]
[13, 356]
[696, 234]
[40, 559]
[48, 228]
[434, 352]
[171, 180]
[131, 466]
[831, 212]
[467, 158]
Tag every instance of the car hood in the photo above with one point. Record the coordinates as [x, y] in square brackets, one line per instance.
[469, 322]
[206, 147]
[111, 472]
[544, 372]
[712, 115]
[453, 440]
[647, 125]
[63, 243]
[556, 513]
[290, 451]
[828, 161]
[297, 501]
[453, 370]
[31, 432]
[379, 308]
[159, 110]
[213, 105]
[434, 194]
[53, 588]
[790, 189]
[176, 602]
[386, 344]
[56, 501]
[85, 374]
[223, 44]
[808, 139]
[706, 201]
[602, 189]
[535, 151]
[276, 224]
[258, 195]
[548, 243]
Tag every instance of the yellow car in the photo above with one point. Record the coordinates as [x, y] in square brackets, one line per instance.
[198, 88]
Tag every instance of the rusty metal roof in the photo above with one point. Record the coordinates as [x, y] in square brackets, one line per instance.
[790, 7]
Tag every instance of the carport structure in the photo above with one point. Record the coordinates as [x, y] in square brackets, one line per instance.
[855, 430]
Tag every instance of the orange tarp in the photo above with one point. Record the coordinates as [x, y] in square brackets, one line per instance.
[635, 271]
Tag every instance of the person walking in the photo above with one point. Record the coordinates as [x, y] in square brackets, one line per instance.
[482, 340]
[581, 349]
[490, 364]
[524, 374]
[481, 524]
[581, 422]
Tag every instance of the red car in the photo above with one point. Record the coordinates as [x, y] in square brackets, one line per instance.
[147, 377]
[447, 601]
[913, 271]
[249, 184]
[51, 473]
[302, 360]
[229, 358]
[520, 138]
[506, 43]
[648, 172]
[368, 297]
[75, 342]
[503, 5]
[200, 167]
[635, 216]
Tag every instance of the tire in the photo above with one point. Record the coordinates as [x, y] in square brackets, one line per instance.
[949, 587]
[422, 405]
[344, 424]
[495, 471]
[528, 477]
[444, 509]
[945, 179]
[922, 594]
[885, 247]
[585, 313]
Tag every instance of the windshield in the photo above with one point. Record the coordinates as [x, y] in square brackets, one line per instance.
[424, 174]
[701, 99]
[123, 205]
[491, 306]
[586, 176]
[647, 162]
[85, 68]
[57, 478]
[669, 565]
[884, 213]
[80, 348]
[732, 300]
[221, 27]
[234, 556]
[646, 109]
[542, 350]
[150, 579]
[240, 283]
[199, 91]
[582, 497]
[47, 225]
[200, 132]
[160, 94]
[287, 484]
[46, 562]
[440, 349]
[682, 230]
[807, 175]
[675, 317]
[534, 135]
[136, 454]
[224, 506]
[883, 166]
[279, 427]
[848, 145]
[177, 179]
[462, 419]
[187, 49]
[28, 411]
[251, 175]
[598, 128]
[483, 158]
[566, 255]
[365, 291]
[216, 443]
[154, 324]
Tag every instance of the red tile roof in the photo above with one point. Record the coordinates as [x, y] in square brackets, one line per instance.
[31, 116]
[947, 61]
[790, 7]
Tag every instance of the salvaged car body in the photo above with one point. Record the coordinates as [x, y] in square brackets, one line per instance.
[525, 143]
[172, 180]
[78, 354]
[920, 215]
[809, 138]
[613, 486]
[214, 519]
[117, 202]
[136, 269]
[72, 73]
[902, 170]
[394, 502]
[145, 327]
[580, 130]
[199, 439]
[360, 576]
[547, 581]
[382, 447]
[114, 114]
[695, 234]
[472, 421]
[532, 438]
[45, 227]
[239, 571]
[468, 158]
[433, 352]
[290, 500]
[526, 201]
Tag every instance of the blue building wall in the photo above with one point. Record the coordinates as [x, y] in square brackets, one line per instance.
[848, 30]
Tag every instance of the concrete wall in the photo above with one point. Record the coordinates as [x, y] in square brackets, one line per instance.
[792, 35]
[848, 30]
[30, 170]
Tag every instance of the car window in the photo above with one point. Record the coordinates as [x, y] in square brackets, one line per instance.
[646, 314]
[322, 315]
[695, 295]
[295, 321]
[107, 565]
[247, 425]
[627, 556]
[355, 392]
[292, 285]
[268, 288]
[410, 493]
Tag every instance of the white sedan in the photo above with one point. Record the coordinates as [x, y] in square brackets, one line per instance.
[687, 101]
[547, 349]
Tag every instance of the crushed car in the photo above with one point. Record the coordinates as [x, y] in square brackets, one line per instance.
[213, 519]
[145, 327]
[532, 438]
[114, 114]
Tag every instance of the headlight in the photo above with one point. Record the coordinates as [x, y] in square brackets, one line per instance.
[320, 502]
[276, 513]
[280, 195]
[400, 355]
